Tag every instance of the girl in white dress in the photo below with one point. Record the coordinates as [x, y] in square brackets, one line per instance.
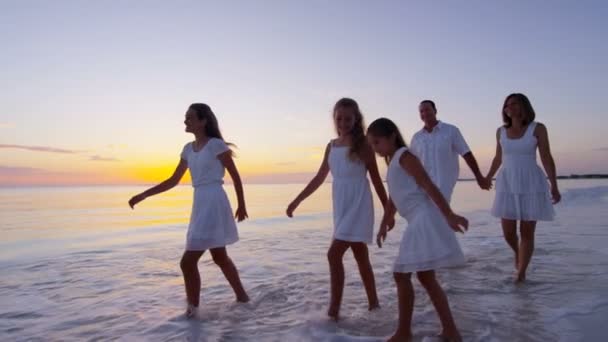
[522, 192]
[211, 225]
[349, 158]
[429, 241]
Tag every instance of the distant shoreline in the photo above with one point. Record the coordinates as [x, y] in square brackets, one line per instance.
[586, 176]
[571, 177]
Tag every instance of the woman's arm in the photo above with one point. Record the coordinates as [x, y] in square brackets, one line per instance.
[544, 150]
[313, 185]
[369, 158]
[469, 158]
[412, 165]
[228, 162]
[497, 161]
[168, 184]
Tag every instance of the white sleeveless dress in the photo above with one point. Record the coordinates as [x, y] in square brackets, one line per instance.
[522, 190]
[353, 207]
[428, 242]
[211, 222]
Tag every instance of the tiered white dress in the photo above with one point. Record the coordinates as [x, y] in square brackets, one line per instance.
[428, 242]
[522, 190]
[211, 222]
[353, 207]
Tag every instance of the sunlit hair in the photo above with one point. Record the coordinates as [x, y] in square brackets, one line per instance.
[212, 127]
[529, 114]
[358, 131]
[385, 128]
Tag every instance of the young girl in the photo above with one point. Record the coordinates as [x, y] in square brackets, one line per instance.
[428, 242]
[522, 193]
[211, 224]
[349, 158]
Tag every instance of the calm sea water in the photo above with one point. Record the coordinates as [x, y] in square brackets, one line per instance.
[78, 264]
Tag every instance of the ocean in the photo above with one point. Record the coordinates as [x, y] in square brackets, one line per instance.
[77, 264]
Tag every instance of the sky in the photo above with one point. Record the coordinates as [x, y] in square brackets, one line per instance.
[94, 92]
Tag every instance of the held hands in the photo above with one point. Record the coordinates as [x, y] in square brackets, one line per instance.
[458, 223]
[555, 195]
[241, 213]
[484, 183]
[291, 208]
[136, 199]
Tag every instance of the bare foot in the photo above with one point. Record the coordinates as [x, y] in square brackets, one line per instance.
[191, 311]
[450, 337]
[520, 278]
[374, 306]
[401, 337]
[243, 299]
[333, 312]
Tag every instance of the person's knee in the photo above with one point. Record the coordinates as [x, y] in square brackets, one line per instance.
[186, 264]
[360, 253]
[221, 259]
[510, 234]
[426, 279]
[334, 255]
[401, 278]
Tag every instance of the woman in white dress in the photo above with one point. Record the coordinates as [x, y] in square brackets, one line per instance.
[429, 242]
[522, 191]
[349, 158]
[212, 224]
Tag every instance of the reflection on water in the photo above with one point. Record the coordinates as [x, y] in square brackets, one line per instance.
[77, 263]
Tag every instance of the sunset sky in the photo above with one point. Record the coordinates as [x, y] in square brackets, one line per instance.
[94, 92]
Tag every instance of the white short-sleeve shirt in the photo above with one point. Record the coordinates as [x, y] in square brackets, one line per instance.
[438, 151]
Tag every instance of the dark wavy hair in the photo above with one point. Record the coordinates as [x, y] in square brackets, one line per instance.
[386, 128]
[212, 127]
[530, 115]
[358, 132]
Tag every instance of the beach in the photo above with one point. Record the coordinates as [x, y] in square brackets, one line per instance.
[78, 264]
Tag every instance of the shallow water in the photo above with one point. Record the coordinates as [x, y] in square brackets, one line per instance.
[78, 264]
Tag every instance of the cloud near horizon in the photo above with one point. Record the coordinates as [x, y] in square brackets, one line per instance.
[104, 159]
[41, 149]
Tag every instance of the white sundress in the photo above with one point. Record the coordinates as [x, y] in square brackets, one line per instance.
[212, 222]
[522, 190]
[353, 208]
[428, 242]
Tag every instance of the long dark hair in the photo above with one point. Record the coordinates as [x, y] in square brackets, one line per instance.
[529, 113]
[386, 128]
[212, 127]
[358, 132]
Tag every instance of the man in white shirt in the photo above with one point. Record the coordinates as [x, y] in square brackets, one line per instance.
[438, 146]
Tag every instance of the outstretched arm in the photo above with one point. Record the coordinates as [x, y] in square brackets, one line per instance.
[547, 159]
[412, 165]
[228, 162]
[168, 184]
[369, 157]
[313, 185]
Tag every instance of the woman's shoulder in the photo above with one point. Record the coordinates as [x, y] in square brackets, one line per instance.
[401, 153]
[499, 130]
[187, 146]
[539, 128]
